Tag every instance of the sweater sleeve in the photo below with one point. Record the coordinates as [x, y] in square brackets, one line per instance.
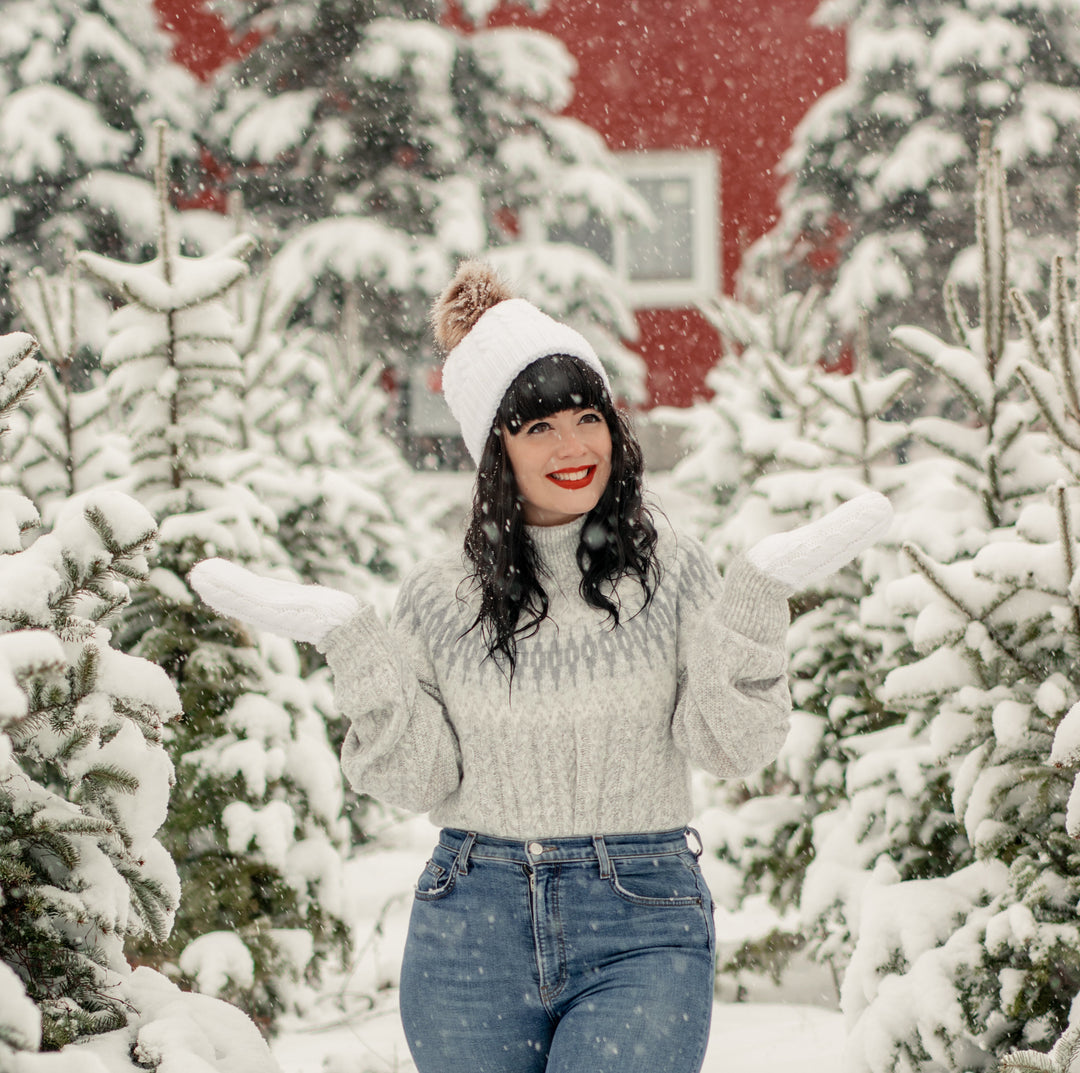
[733, 706]
[400, 747]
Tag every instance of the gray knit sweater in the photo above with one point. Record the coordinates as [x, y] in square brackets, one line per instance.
[600, 729]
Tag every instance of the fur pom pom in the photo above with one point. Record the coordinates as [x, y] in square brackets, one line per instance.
[474, 289]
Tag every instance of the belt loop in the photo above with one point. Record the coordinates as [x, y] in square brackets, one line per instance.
[700, 845]
[462, 860]
[602, 856]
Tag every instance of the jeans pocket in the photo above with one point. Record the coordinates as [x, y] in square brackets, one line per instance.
[435, 882]
[655, 881]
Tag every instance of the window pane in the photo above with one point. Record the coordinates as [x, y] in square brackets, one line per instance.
[666, 251]
[593, 235]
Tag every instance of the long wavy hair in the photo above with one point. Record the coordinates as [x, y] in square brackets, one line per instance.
[618, 538]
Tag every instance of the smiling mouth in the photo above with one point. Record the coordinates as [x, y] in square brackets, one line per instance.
[573, 478]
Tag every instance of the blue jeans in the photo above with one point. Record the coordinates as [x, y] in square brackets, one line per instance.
[570, 955]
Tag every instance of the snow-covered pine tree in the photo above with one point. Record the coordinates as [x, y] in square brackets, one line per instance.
[255, 821]
[79, 88]
[879, 165]
[383, 146]
[954, 971]
[762, 401]
[314, 450]
[84, 785]
[897, 816]
[84, 779]
[66, 446]
[840, 644]
[801, 439]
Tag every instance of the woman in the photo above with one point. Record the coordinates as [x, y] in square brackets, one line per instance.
[544, 698]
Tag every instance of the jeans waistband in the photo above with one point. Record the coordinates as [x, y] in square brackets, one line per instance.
[469, 845]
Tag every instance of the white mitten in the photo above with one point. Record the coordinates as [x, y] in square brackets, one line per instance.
[815, 551]
[300, 612]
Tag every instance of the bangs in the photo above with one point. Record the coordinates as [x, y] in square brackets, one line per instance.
[557, 382]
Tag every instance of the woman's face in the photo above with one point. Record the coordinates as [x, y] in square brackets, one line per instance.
[561, 463]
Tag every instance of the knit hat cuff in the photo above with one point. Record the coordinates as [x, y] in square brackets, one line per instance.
[509, 337]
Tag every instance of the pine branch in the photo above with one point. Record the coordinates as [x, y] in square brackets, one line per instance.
[75, 744]
[982, 227]
[1063, 349]
[1042, 389]
[928, 432]
[1059, 1060]
[925, 358]
[19, 373]
[954, 311]
[803, 315]
[1067, 1049]
[51, 331]
[1027, 1062]
[51, 839]
[99, 522]
[926, 566]
[1068, 546]
[777, 370]
[85, 671]
[153, 902]
[1010, 433]
[97, 782]
[999, 297]
[1076, 320]
[991, 489]
[80, 825]
[131, 571]
[161, 187]
[15, 873]
[1025, 316]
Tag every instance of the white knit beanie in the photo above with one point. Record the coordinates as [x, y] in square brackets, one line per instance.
[490, 337]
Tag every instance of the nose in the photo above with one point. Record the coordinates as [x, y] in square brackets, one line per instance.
[569, 441]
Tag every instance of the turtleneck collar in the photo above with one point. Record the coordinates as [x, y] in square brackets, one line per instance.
[557, 546]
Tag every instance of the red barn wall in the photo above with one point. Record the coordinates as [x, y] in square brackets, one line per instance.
[203, 41]
[731, 75]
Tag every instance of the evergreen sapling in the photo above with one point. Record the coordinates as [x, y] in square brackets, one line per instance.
[255, 824]
[84, 778]
[992, 963]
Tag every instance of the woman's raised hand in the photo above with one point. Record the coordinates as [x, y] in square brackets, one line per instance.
[299, 612]
[815, 551]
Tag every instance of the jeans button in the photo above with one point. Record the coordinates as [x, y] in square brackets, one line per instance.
[535, 848]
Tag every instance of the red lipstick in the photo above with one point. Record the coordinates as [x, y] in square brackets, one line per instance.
[580, 482]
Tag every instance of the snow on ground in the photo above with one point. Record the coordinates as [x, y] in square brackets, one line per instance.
[355, 1027]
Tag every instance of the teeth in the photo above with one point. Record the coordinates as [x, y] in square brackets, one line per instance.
[571, 475]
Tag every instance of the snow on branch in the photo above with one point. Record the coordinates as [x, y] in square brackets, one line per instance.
[19, 372]
[1060, 1059]
[958, 365]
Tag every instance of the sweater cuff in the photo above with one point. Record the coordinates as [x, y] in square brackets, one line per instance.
[755, 604]
[354, 634]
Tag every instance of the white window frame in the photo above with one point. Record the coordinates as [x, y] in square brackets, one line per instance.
[702, 168]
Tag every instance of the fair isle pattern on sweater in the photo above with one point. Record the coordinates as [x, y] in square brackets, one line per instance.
[601, 725]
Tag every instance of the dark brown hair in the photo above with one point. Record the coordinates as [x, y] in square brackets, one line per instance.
[618, 538]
